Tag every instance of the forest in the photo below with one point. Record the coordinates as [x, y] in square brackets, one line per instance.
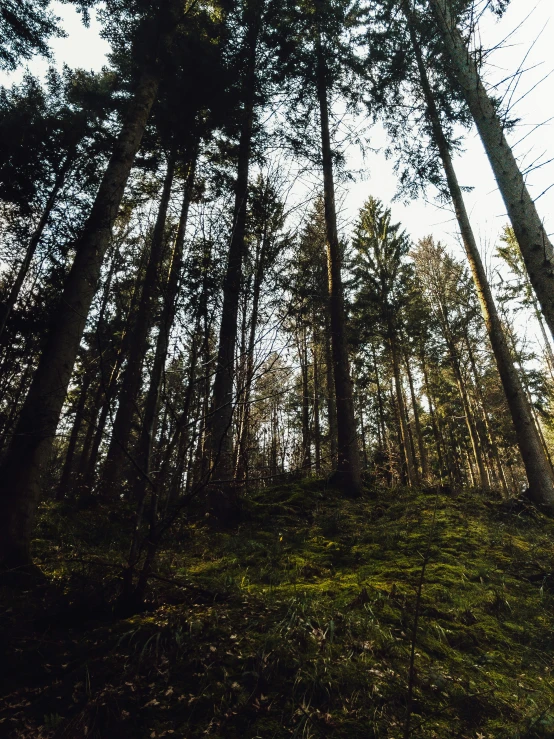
[264, 471]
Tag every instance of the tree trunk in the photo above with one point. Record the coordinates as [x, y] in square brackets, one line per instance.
[381, 423]
[434, 421]
[317, 425]
[306, 435]
[419, 434]
[490, 435]
[7, 307]
[404, 432]
[138, 348]
[182, 436]
[30, 450]
[330, 391]
[151, 406]
[106, 393]
[549, 355]
[402, 457]
[242, 456]
[536, 247]
[539, 472]
[348, 474]
[67, 471]
[223, 502]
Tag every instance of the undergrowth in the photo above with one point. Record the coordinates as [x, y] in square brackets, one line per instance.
[297, 623]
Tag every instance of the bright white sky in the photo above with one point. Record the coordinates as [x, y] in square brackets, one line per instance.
[84, 48]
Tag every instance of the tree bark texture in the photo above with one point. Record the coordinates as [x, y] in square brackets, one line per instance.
[539, 472]
[220, 425]
[536, 247]
[348, 473]
[138, 346]
[22, 469]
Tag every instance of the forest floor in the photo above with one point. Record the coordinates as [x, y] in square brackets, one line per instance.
[298, 623]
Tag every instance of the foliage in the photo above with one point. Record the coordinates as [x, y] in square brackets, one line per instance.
[301, 624]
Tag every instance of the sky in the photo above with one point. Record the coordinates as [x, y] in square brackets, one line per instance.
[84, 48]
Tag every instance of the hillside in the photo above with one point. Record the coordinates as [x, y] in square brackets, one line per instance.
[299, 623]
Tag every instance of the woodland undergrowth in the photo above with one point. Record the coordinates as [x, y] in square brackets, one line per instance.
[297, 623]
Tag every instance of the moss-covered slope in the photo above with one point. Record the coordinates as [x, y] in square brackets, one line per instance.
[300, 623]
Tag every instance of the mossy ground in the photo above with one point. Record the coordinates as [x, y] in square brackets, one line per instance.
[298, 623]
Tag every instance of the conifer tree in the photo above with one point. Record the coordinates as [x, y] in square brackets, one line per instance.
[24, 463]
[534, 242]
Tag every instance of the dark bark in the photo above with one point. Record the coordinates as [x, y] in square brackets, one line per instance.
[259, 274]
[434, 421]
[145, 481]
[330, 396]
[403, 422]
[539, 471]
[7, 307]
[306, 431]
[417, 421]
[138, 347]
[68, 468]
[348, 472]
[22, 469]
[317, 423]
[536, 247]
[223, 500]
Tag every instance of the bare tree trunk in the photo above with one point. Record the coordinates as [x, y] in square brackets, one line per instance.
[138, 347]
[7, 307]
[536, 247]
[539, 472]
[151, 405]
[362, 431]
[381, 424]
[21, 471]
[330, 392]
[223, 499]
[490, 435]
[403, 454]
[317, 425]
[348, 473]
[434, 421]
[259, 269]
[419, 434]
[143, 456]
[306, 435]
[404, 433]
[68, 467]
[547, 345]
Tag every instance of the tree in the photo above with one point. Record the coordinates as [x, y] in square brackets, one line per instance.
[25, 28]
[224, 502]
[535, 245]
[45, 134]
[24, 463]
[381, 276]
[539, 472]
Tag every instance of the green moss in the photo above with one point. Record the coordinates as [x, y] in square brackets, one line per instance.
[300, 623]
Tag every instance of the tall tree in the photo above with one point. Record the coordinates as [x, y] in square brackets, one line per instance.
[533, 240]
[539, 472]
[381, 276]
[224, 503]
[25, 28]
[23, 465]
[348, 472]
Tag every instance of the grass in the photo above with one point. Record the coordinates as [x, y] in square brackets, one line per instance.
[296, 624]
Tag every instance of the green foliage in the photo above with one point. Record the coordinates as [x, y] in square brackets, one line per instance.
[25, 28]
[300, 623]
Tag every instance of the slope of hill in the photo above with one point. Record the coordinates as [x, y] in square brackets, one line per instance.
[298, 623]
